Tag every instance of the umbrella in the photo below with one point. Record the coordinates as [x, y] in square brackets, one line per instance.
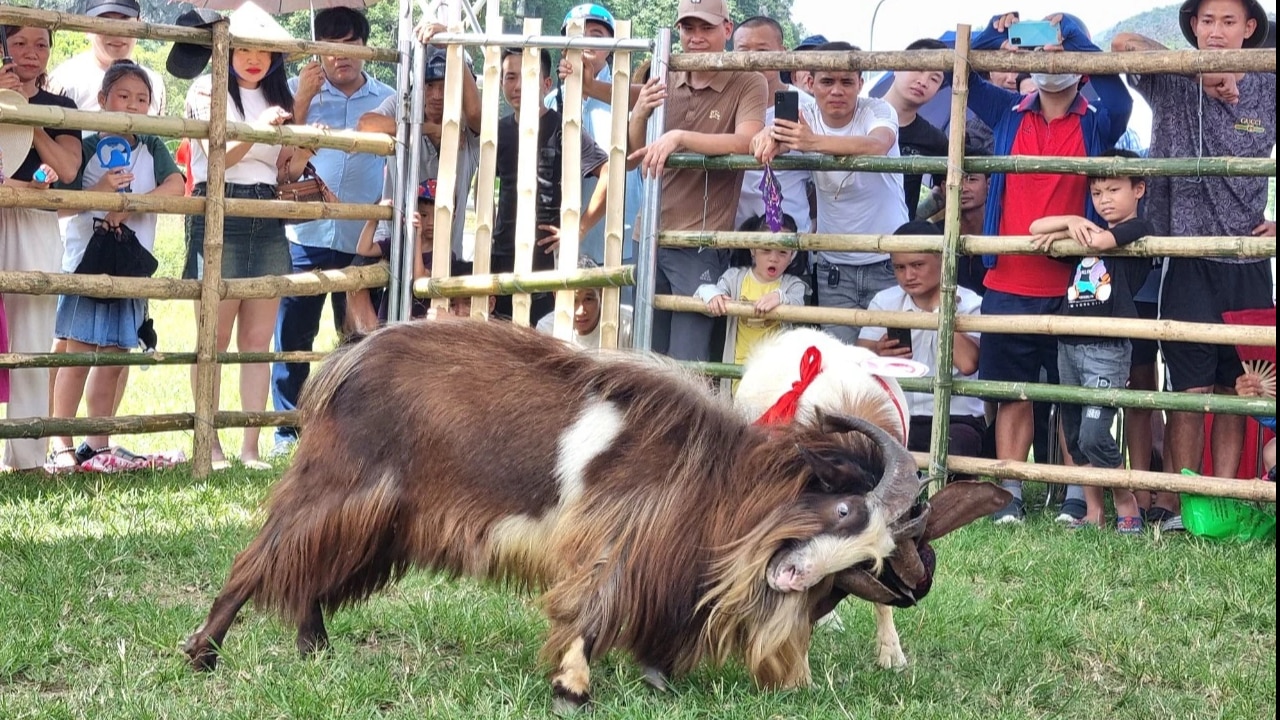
[281, 7]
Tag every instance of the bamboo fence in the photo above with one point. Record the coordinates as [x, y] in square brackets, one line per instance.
[1180, 62]
[1254, 247]
[206, 418]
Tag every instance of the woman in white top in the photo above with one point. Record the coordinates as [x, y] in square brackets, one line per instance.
[251, 247]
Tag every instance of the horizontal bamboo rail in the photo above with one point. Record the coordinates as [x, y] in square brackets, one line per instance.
[33, 282]
[1254, 490]
[27, 17]
[1020, 324]
[47, 360]
[1179, 62]
[550, 42]
[510, 284]
[1041, 392]
[296, 135]
[1240, 247]
[1093, 166]
[137, 424]
[82, 200]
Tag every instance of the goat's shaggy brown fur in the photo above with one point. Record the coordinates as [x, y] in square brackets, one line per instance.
[435, 445]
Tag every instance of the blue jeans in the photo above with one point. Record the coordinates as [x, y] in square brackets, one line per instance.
[297, 324]
[1102, 364]
[850, 287]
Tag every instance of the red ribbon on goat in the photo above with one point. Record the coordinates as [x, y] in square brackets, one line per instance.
[784, 411]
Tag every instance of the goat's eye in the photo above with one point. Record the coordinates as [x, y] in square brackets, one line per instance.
[842, 510]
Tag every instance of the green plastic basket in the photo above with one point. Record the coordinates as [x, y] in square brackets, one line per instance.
[1226, 518]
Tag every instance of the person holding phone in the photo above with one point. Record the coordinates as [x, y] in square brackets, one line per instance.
[764, 34]
[919, 290]
[843, 123]
[1056, 120]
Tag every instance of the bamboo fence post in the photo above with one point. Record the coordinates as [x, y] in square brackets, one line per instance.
[447, 175]
[207, 369]
[570, 184]
[615, 208]
[527, 174]
[939, 432]
[482, 261]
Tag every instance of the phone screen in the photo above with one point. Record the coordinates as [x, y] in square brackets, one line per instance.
[902, 335]
[786, 105]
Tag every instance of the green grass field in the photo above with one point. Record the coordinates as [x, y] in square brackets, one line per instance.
[101, 578]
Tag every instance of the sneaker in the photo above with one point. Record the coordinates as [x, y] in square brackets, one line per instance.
[1071, 511]
[1173, 524]
[282, 449]
[1011, 513]
[1129, 525]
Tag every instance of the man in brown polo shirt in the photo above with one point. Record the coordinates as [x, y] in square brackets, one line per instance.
[713, 113]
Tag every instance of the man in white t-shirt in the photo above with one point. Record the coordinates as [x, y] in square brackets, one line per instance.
[918, 289]
[764, 34]
[80, 76]
[843, 123]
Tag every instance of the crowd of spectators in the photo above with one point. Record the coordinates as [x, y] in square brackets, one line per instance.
[827, 112]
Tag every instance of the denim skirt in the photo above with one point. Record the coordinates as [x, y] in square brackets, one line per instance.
[105, 323]
[251, 247]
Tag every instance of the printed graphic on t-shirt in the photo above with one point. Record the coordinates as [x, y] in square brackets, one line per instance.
[1091, 284]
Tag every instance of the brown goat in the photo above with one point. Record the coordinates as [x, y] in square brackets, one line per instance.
[657, 519]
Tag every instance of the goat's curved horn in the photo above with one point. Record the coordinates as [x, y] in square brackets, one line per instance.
[900, 485]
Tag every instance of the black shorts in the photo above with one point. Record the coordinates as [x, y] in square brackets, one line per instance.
[1145, 351]
[1020, 357]
[1196, 290]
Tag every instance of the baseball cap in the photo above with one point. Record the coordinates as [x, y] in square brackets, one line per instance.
[427, 191]
[808, 43]
[128, 8]
[185, 60]
[712, 11]
[436, 63]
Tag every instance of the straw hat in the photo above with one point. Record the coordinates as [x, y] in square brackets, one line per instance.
[15, 140]
[187, 61]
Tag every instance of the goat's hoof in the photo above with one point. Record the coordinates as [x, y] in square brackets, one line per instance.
[309, 645]
[655, 678]
[201, 656]
[891, 659]
[566, 702]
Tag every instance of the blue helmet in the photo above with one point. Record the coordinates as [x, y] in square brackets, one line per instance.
[588, 12]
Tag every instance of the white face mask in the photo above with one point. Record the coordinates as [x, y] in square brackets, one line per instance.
[1055, 83]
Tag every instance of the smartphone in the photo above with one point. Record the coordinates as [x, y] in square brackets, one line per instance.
[902, 335]
[1033, 34]
[786, 105]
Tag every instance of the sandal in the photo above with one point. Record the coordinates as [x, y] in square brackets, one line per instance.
[1132, 525]
[54, 464]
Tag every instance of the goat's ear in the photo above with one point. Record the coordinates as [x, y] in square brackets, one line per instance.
[835, 471]
[960, 503]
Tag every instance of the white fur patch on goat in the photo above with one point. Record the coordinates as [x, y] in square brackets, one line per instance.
[826, 554]
[597, 426]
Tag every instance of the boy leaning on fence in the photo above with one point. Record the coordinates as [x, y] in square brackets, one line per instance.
[1100, 287]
